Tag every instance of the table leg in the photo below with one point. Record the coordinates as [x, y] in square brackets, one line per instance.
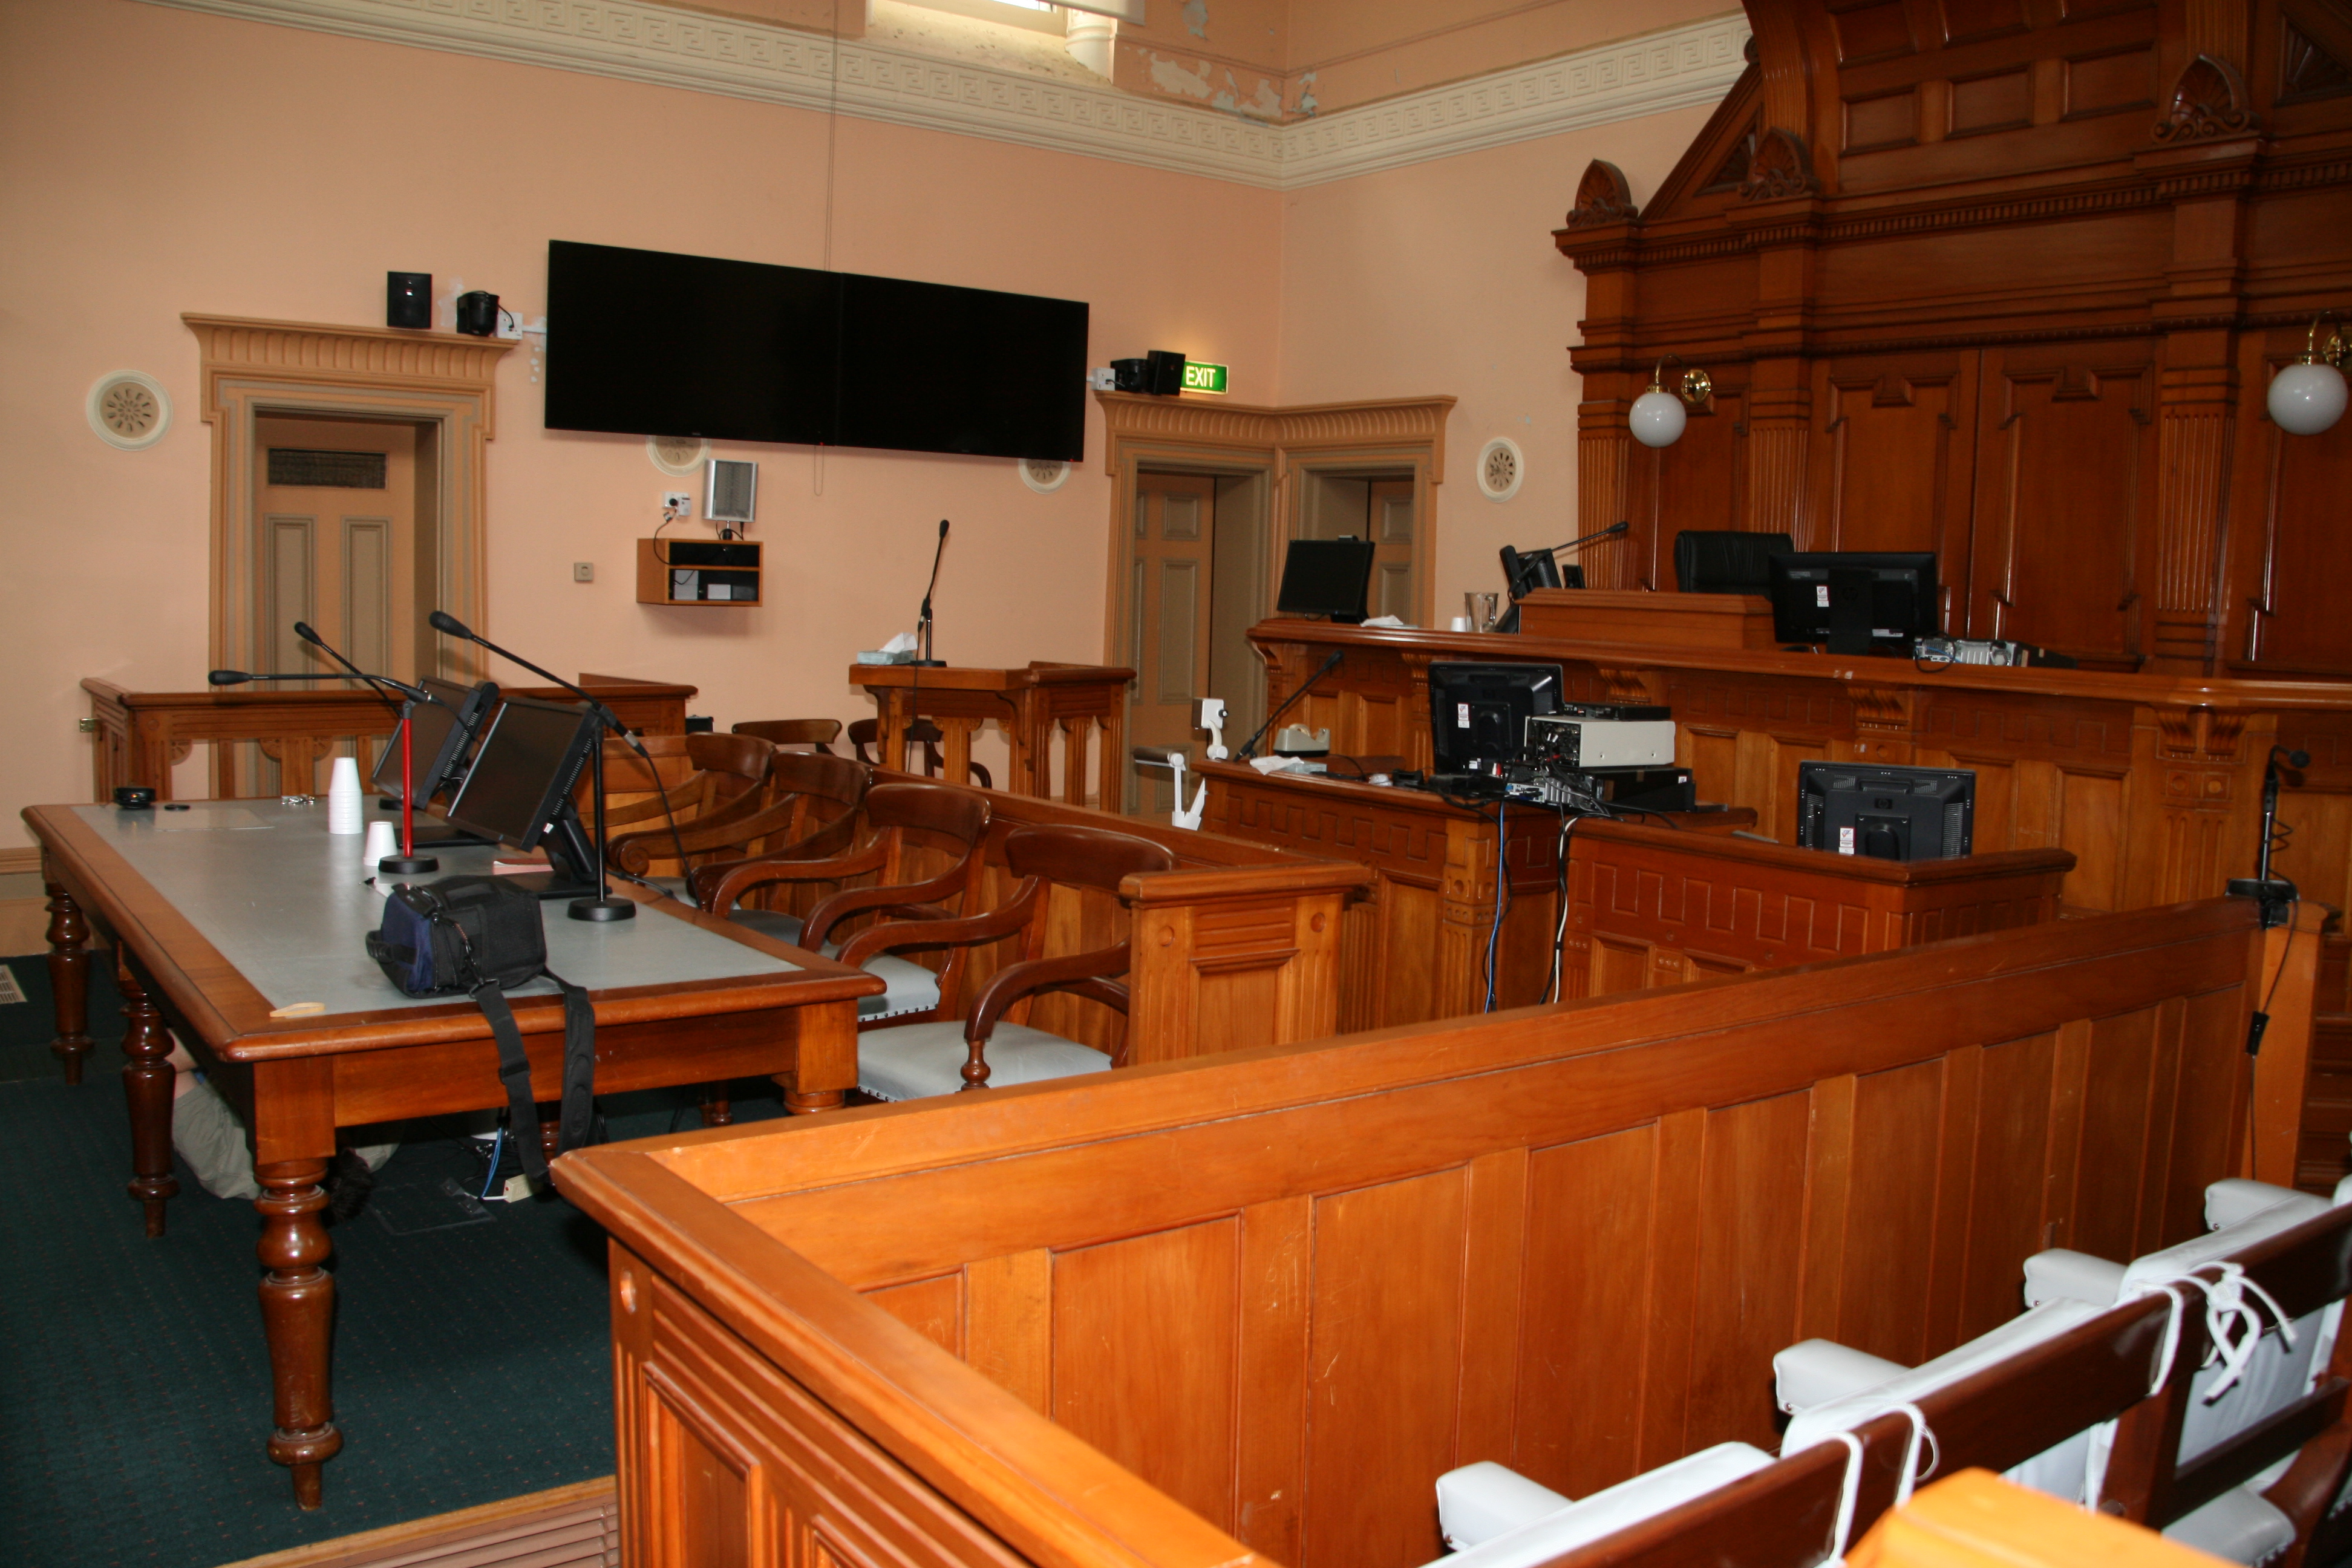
[1114, 762]
[1075, 734]
[897, 712]
[69, 979]
[717, 1112]
[297, 1314]
[825, 1055]
[147, 1077]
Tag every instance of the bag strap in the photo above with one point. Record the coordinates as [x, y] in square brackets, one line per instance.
[514, 1071]
[579, 1087]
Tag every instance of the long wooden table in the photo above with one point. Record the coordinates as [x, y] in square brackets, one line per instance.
[1030, 704]
[225, 914]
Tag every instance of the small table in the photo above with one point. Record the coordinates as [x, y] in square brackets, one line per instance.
[1030, 704]
[227, 912]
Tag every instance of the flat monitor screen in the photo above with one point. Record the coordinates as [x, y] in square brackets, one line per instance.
[1479, 713]
[1854, 601]
[1886, 813]
[1325, 577]
[522, 775]
[441, 733]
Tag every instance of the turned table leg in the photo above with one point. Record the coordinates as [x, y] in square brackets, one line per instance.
[718, 1110]
[297, 1314]
[147, 1089]
[825, 1053]
[69, 979]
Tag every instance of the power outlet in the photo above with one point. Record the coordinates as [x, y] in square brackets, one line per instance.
[678, 504]
[583, 571]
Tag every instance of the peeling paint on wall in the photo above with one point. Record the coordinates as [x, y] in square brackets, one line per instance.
[1265, 104]
[1306, 104]
[1170, 76]
[1196, 17]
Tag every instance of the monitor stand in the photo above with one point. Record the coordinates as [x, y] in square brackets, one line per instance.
[1853, 598]
[438, 834]
[572, 872]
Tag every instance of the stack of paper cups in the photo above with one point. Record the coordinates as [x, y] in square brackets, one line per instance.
[382, 840]
[346, 807]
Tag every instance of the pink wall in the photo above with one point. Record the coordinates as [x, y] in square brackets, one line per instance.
[155, 161]
[1440, 278]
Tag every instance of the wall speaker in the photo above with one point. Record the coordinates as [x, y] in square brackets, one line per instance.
[730, 491]
[1163, 372]
[408, 300]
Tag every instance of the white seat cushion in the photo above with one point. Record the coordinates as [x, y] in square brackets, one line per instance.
[2238, 1526]
[915, 1061]
[913, 988]
[1814, 1372]
[1650, 1493]
[1480, 1501]
[2058, 1471]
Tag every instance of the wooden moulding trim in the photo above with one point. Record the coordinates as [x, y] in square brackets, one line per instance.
[534, 1527]
[1404, 421]
[1225, 883]
[381, 357]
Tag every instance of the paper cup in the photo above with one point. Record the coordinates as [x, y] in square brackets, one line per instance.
[382, 840]
[346, 806]
[1461, 624]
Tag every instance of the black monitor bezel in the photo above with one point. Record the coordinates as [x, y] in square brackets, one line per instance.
[557, 794]
[1789, 625]
[1444, 677]
[1315, 563]
[1814, 825]
[467, 706]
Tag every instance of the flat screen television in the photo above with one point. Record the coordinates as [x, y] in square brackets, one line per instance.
[647, 342]
[1854, 601]
[1325, 577]
[1886, 813]
[1479, 713]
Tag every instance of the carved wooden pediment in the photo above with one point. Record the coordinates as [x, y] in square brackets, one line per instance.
[2306, 70]
[1782, 166]
[1602, 197]
[2207, 101]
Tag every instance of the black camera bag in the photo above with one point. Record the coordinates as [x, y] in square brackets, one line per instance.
[479, 935]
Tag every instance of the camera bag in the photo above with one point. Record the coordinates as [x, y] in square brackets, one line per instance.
[479, 936]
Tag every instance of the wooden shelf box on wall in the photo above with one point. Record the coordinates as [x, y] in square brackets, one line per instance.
[698, 571]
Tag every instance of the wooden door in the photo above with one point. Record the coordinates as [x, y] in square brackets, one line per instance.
[2064, 498]
[2290, 567]
[1895, 463]
[1390, 528]
[336, 544]
[1168, 614]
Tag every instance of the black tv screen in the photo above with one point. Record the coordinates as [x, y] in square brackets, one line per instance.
[647, 343]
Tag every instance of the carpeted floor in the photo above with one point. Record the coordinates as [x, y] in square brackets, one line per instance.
[470, 1340]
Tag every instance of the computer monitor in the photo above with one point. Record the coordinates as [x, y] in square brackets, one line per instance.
[518, 790]
[1479, 713]
[1524, 570]
[441, 733]
[1325, 577]
[1886, 813]
[1726, 561]
[1854, 601]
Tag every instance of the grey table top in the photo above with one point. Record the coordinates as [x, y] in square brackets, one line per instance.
[289, 905]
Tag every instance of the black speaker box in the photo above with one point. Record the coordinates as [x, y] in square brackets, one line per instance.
[408, 300]
[1163, 372]
[700, 553]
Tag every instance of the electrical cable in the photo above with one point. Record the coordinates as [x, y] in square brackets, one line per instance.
[1502, 892]
[1568, 820]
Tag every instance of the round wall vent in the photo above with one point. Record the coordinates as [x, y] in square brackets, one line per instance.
[130, 409]
[1044, 477]
[678, 455]
[1501, 467]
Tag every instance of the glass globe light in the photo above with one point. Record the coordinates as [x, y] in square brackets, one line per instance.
[2306, 399]
[1657, 418]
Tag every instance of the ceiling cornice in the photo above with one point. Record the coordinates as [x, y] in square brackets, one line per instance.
[1678, 67]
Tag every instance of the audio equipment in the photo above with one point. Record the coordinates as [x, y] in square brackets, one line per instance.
[923, 620]
[477, 314]
[408, 300]
[729, 489]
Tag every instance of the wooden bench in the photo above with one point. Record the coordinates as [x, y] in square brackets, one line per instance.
[1185, 1313]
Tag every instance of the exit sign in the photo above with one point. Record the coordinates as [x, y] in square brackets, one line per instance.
[1198, 377]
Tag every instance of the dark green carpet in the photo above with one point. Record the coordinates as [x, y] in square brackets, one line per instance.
[471, 1357]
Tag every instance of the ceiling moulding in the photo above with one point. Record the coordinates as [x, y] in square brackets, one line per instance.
[1674, 69]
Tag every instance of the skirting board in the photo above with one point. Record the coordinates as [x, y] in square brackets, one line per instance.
[576, 1526]
[20, 860]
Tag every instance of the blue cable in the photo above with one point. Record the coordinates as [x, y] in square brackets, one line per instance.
[1502, 881]
[491, 1178]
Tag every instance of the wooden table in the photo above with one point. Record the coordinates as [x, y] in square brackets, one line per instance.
[142, 735]
[1029, 705]
[680, 998]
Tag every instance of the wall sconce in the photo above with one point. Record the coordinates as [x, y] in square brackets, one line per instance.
[2307, 396]
[1657, 418]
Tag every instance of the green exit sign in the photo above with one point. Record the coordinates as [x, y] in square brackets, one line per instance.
[1198, 377]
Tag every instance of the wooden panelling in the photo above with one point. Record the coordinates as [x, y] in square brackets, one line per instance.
[1296, 1287]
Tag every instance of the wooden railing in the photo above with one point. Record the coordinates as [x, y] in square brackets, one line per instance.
[1259, 1302]
[143, 735]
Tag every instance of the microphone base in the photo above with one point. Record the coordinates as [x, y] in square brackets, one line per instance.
[406, 865]
[929, 663]
[601, 910]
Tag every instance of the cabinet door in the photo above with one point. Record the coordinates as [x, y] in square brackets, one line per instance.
[2065, 494]
[1895, 459]
[2290, 567]
[1699, 482]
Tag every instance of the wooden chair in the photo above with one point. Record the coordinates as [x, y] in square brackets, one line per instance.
[934, 1053]
[818, 733]
[903, 820]
[866, 733]
[725, 777]
[806, 793]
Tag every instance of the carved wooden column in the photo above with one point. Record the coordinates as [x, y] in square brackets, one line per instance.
[147, 1082]
[1781, 225]
[1474, 860]
[2193, 810]
[1603, 233]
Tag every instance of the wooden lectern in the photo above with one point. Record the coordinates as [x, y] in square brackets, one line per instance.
[1029, 704]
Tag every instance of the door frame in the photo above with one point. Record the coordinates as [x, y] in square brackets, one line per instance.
[1192, 433]
[440, 381]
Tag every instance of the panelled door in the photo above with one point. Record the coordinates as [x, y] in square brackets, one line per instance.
[336, 543]
[1175, 525]
[1896, 461]
[1390, 529]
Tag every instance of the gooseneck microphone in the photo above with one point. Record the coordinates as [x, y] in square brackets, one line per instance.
[2275, 895]
[1249, 747]
[407, 862]
[923, 621]
[603, 906]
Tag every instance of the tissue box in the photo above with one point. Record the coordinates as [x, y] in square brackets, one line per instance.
[876, 655]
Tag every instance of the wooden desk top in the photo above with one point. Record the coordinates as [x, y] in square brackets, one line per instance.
[1358, 794]
[2175, 690]
[957, 678]
[1820, 862]
[242, 907]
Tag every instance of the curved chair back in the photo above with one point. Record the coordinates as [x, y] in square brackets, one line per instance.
[720, 770]
[922, 732]
[817, 732]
